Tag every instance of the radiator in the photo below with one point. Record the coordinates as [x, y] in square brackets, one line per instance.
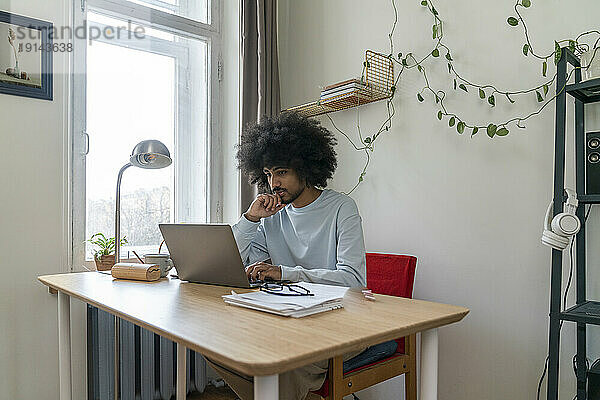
[147, 362]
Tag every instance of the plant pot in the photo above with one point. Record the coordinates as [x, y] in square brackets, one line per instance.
[590, 64]
[105, 263]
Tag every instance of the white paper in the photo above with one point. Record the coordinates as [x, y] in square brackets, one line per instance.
[326, 297]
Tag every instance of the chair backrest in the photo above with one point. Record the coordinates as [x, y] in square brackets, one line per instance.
[391, 274]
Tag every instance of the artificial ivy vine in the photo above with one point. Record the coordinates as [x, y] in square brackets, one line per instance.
[486, 92]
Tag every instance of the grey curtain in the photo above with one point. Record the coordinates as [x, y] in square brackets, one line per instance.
[260, 71]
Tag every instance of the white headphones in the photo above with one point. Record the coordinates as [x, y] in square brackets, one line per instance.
[559, 230]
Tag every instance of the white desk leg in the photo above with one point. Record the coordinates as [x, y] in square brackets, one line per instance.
[266, 387]
[429, 365]
[181, 372]
[64, 345]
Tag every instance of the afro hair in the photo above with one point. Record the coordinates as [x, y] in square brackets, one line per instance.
[288, 140]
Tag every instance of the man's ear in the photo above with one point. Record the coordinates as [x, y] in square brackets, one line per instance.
[307, 183]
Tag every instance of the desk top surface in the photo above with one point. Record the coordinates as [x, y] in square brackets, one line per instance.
[253, 342]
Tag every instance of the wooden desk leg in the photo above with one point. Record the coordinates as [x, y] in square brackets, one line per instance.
[266, 387]
[429, 365]
[181, 372]
[64, 345]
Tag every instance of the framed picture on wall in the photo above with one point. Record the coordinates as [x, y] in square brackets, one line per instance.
[26, 49]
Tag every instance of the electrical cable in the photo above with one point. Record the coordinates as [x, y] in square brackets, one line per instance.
[587, 364]
[542, 377]
[571, 262]
[539, 388]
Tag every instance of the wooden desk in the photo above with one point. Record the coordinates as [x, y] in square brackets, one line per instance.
[255, 343]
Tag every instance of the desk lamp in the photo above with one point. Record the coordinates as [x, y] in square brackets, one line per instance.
[148, 154]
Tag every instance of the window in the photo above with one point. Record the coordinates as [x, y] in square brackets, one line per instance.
[148, 69]
[194, 9]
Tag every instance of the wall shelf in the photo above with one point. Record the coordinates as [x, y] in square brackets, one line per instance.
[586, 313]
[379, 82]
[587, 92]
[589, 199]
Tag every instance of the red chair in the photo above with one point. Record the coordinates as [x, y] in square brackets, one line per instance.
[392, 275]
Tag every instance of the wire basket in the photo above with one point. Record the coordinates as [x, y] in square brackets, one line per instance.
[378, 82]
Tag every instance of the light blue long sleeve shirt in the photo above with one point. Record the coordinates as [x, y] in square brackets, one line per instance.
[322, 242]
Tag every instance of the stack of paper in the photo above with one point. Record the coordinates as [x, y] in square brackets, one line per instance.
[325, 298]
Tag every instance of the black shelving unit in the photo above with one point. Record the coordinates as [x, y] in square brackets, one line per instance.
[585, 311]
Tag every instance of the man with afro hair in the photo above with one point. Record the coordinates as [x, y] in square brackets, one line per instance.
[296, 230]
[308, 233]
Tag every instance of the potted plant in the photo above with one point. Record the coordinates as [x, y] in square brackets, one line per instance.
[104, 256]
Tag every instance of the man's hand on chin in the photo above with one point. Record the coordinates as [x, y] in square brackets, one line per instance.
[262, 270]
[264, 206]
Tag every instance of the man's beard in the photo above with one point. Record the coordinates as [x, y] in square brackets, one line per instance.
[291, 196]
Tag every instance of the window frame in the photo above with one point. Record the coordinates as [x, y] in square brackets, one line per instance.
[170, 23]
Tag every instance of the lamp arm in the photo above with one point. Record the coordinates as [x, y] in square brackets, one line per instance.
[118, 213]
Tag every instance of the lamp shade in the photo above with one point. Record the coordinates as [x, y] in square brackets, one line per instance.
[150, 154]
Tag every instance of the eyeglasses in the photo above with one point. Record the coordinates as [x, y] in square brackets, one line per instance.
[285, 288]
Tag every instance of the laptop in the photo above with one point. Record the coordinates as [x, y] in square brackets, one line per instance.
[205, 253]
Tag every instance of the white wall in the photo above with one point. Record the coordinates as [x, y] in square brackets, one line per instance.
[34, 229]
[470, 209]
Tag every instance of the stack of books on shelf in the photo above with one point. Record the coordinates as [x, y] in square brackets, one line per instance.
[351, 90]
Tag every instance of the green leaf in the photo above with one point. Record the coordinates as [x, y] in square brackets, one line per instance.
[544, 68]
[434, 29]
[424, 3]
[460, 127]
[404, 62]
[419, 68]
[420, 97]
[502, 132]
[367, 140]
[455, 84]
[448, 56]
[526, 3]
[475, 130]
[399, 56]
[572, 46]
[545, 90]
[509, 99]
[512, 21]
[491, 130]
[539, 96]
[360, 178]
[433, 10]
[440, 115]
[452, 121]
[463, 87]
[437, 99]
[557, 53]
[492, 100]
[525, 48]
[481, 94]
[435, 53]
